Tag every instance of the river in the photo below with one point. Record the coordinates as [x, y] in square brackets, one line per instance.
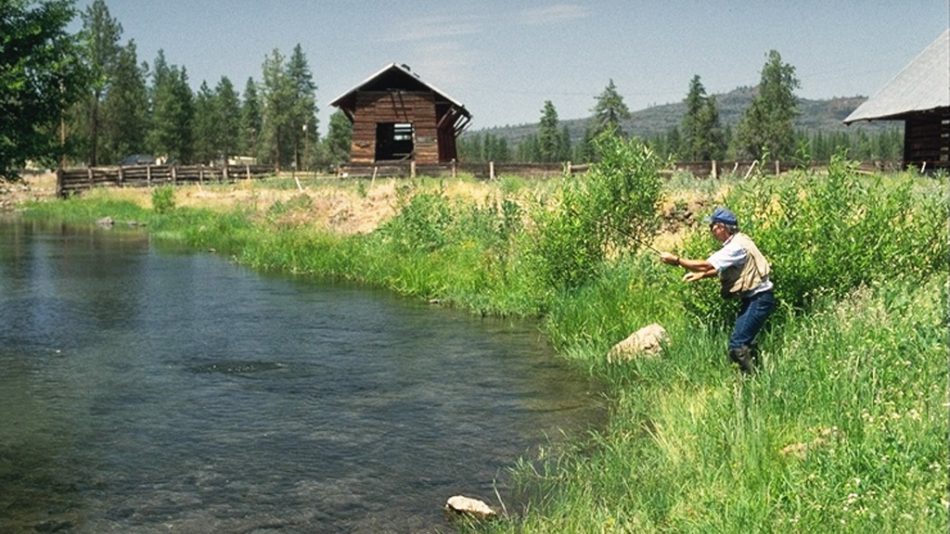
[146, 388]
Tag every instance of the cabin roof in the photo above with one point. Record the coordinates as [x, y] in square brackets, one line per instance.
[923, 85]
[394, 77]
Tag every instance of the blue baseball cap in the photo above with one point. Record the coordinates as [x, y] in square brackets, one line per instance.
[722, 215]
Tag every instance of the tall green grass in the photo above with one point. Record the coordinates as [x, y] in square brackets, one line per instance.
[845, 426]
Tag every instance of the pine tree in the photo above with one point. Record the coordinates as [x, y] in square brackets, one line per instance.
[549, 137]
[767, 126]
[339, 136]
[609, 112]
[304, 113]
[227, 117]
[250, 121]
[100, 36]
[205, 128]
[279, 98]
[173, 112]
[125, 108]
[702, 135]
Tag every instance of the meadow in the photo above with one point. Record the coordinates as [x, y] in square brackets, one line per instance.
[843, 428]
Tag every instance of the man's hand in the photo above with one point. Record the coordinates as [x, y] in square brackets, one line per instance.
[669, 259]
[692, 276]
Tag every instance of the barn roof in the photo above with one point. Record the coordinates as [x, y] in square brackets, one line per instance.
[394, 76]
[923, 85]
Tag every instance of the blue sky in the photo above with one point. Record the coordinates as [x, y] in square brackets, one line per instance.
[503, 59]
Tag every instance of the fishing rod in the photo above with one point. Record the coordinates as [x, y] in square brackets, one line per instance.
[626, 233]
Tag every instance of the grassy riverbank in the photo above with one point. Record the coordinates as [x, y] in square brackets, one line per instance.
[844, 428]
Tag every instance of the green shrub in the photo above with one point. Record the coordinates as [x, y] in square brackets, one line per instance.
[422, 221]
[612, 207]
[163, 199]
[827, 234]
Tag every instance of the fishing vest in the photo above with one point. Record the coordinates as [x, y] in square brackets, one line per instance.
[740, 279]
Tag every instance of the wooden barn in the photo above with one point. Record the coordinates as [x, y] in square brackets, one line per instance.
[920, 96]
[398, 117]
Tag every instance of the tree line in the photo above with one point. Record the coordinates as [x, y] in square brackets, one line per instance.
[85, 98]
[765, 131]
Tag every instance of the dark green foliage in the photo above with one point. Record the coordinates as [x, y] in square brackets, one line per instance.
[767, 127]
[337, 141]
[703, 138]
[205, 125]
[610, 112]
[227, 114]
[173, 111]
[40, 75]
[125, 108]
[250, 120]
[549, 135]
[100, 51]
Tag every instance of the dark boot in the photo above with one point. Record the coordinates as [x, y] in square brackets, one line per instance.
[743, 357]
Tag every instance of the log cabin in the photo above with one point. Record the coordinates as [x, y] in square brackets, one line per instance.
[919, 95]
[396, 116]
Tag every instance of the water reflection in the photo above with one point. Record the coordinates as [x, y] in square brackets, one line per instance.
[146, 391]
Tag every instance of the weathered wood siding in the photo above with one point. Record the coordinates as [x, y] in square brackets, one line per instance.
[373, 107]
[927, 140]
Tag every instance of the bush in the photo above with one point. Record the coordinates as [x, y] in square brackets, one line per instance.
[611, 208]
[827, 234]
[163, 199]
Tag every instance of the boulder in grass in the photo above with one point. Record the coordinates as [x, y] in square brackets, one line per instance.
[647, 341]
[462, 505]
[106, 222]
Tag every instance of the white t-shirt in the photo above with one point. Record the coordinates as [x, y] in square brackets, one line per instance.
[732, 255]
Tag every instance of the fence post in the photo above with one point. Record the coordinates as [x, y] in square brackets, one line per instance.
[715, 170]
[224, 173]
[148, 175]
[412, 169]
[89, 174]
[174, 174]
[247, 171]
[491, 170]
[778, 167]
[59, 182]
[454, 172]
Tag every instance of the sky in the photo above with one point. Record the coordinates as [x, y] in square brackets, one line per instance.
[503, 59]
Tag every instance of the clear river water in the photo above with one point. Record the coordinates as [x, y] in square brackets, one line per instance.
[145, 388]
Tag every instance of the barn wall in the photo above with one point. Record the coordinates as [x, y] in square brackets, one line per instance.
[927, 139]
[374, 107]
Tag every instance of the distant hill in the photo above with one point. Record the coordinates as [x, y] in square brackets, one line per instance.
[825, 115]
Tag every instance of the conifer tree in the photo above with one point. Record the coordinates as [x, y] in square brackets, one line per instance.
[100, 37]
[768, 124]
[250, 120]
[339, 136]
[205, 128]
[609, 112]
[549, 137]
[125, 108]
[227, 117]
[173, 112]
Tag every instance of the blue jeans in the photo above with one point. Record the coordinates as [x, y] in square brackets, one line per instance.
[752, 315]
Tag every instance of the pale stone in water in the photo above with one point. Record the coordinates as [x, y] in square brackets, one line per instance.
[465, 505]
[647, 341]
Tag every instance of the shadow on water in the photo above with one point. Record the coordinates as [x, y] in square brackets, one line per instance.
[149, 390]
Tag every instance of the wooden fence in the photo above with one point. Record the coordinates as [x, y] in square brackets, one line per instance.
[492, 170]
[74, 181]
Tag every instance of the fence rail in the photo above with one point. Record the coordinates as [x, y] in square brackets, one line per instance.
[74, 181]
[491, 170]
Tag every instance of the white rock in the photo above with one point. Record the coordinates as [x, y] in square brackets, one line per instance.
[647, 341]
[465, 505]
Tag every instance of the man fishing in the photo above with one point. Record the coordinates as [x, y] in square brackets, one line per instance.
[744, 273]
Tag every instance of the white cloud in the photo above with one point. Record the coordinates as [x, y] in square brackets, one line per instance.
[553, 14]
[433, 27]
